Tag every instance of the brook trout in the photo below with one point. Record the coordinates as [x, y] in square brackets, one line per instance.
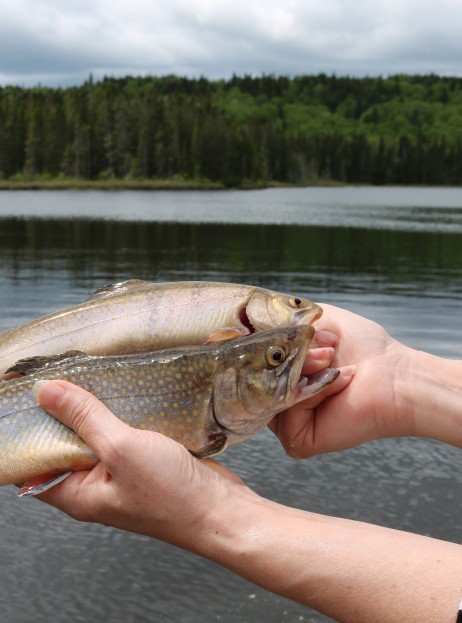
[206, 397]
[138, 316]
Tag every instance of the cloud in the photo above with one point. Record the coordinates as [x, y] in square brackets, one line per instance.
[54, 42]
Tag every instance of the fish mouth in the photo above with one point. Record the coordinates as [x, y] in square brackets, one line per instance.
[314, 383]
[304, 316]
[308, 316]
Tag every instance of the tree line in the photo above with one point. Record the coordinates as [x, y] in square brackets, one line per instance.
[242, 131]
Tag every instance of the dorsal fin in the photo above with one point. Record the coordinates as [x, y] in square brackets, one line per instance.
[26, 366]
[112, 289]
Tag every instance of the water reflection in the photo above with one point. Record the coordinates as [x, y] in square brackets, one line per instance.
[333, 258]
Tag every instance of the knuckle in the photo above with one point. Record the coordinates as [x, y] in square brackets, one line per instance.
[112, 453]
[86, 513]
[298, 448]
[296, 453]
[119, 449]
[80, 513]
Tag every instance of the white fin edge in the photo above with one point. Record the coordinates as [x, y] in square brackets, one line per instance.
[44, 486]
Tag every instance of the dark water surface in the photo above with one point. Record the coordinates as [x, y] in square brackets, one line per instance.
[394, 255]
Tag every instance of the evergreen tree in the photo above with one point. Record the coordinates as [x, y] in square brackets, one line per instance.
[397, 130]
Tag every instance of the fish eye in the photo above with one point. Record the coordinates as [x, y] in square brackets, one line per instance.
[275, 355]
[294, 301]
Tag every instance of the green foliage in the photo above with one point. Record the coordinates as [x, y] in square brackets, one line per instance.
[244, 131]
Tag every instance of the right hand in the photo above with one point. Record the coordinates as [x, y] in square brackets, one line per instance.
[368, 408]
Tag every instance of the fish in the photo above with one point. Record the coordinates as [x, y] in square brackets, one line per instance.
[207, 398]
[139, 316]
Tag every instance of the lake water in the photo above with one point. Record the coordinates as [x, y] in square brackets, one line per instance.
[392, 254]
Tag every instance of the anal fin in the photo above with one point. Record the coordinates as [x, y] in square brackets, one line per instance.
[41, 484]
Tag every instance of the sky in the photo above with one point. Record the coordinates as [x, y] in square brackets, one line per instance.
[62, 42]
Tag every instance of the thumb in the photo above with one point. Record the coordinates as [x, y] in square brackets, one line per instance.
[81, 411]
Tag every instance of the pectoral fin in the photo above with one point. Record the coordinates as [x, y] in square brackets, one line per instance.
[9, 375]
[41, 484]
[217, 444]
[224, 334]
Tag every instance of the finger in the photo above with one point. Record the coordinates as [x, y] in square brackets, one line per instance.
[81, 411]
[317, 359]
[294, 427]
[296, 431]
[324, 338]
[80, 494]
[341, 382]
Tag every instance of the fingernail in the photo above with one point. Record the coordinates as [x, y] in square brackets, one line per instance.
[48, 394]
[349, 370]
[36, 388]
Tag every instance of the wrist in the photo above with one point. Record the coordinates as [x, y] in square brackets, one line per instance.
[429, 392]
[227, 523]
[262, 541]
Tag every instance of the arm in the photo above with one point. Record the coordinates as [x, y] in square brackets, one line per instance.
[354, 572]
[396, 391]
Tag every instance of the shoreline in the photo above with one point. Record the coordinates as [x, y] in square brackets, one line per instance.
[182, 185]
[148, 184]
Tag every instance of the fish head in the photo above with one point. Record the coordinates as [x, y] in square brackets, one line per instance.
[267, 310]
[260, 376]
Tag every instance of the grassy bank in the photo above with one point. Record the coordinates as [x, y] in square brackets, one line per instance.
[110, 184]
[174, 183]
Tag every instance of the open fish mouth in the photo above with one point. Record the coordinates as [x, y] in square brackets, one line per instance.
[314, 383]
[304, 316]
[307, 316]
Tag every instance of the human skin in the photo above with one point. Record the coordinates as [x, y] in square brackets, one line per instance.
[351, 571]
[397, 391]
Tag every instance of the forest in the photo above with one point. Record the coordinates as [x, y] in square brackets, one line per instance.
[241, 132]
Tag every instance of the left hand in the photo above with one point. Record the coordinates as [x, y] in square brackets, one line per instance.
[145, 482]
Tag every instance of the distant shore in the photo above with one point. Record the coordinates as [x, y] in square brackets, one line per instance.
[145, 184]
[111, 184]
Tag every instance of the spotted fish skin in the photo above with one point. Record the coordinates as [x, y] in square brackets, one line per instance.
[177, 392]
[138, 316]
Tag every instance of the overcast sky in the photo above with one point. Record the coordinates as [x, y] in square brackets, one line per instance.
[60, 42]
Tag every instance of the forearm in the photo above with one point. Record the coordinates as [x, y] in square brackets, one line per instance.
[430, 391]
[351, 571]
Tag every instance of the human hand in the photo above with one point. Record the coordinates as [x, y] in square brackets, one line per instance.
[367, 409]
[145, 482]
